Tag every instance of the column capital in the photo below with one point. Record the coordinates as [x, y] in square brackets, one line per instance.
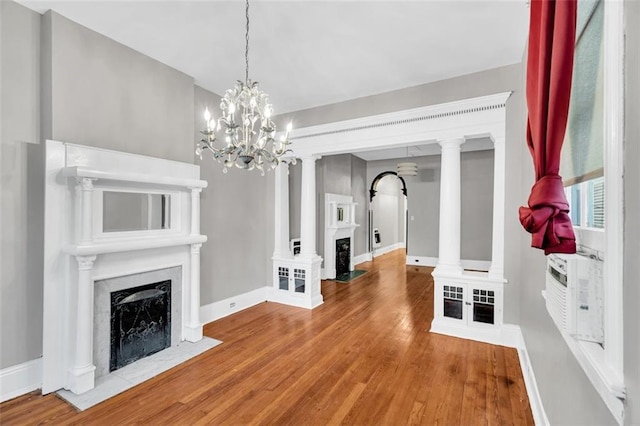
[85, 183]
[195, 248]
[310, 158]
[85, 263]
[451, 143]
[195, 190]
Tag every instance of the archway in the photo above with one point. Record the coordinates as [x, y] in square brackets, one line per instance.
[388, 214]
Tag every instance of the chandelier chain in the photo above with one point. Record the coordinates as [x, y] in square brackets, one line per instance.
[246, 49]
[246, 126]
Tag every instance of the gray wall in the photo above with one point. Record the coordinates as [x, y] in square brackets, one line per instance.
[632, 209]
[20, 278]
[107, 95]
[476, 196]
[567, 394]
[237, 215]
[360, 191]
[87, 89]
[467, 86]
[424, 203]
[342, 174]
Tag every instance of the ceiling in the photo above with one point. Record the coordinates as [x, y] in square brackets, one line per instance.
[311, 53]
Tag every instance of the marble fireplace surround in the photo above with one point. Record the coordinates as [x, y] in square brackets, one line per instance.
[102, 309]
[79, 257]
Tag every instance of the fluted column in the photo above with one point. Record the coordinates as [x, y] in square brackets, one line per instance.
[83, 370]
[281, 240]
[308, 208]
[497, 246]
[450, 205]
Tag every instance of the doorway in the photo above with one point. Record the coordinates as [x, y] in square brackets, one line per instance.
[388, 210]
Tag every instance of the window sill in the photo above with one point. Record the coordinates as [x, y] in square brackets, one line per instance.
[606, 382]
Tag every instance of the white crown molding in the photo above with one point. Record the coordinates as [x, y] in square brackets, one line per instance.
[476, 117]
[84, 172]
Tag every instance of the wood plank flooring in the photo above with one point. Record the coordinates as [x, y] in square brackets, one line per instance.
[365, 357]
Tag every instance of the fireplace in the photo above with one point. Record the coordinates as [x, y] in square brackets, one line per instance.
[136, 316]
[140, 323]
[343, 256]
[339, 217]
[86, 259]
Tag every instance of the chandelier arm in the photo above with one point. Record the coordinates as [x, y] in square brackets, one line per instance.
[249, 136]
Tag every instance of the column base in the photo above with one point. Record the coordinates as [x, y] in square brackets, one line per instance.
[82, 379]
[449, 270]
[496, 273]
[193, 333]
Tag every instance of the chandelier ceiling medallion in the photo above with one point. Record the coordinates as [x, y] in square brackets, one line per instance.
[246, 126]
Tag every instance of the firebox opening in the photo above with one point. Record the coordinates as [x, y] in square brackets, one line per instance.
[140, 322]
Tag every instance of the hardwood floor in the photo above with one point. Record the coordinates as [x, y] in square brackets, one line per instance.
[365, 357]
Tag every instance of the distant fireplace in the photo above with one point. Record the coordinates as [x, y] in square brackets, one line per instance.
[140, 322]
[343, 256]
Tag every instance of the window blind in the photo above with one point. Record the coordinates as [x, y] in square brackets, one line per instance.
[582, 154]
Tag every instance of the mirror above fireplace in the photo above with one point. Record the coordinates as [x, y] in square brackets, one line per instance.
[135, 211]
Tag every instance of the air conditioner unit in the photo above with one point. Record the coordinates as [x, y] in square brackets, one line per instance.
[574, 294]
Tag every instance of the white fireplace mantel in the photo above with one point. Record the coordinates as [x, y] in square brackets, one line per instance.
[340, 223]
[79, 251]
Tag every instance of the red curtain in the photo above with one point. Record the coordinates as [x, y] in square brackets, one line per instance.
[552, 31]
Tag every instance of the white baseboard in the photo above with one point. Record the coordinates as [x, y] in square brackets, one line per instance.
[291, 299]
[477, 265]
[507, 335]
[530, 383]
[384, 250]
[422, 261]
[20, 379]
[365, 257]
[222, 308]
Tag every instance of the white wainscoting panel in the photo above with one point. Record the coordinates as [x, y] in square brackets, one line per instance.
[20, 379]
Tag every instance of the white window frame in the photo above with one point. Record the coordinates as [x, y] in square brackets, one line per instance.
[604, 367]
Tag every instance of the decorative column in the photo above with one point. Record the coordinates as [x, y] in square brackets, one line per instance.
[193, 328]
[85, 187]
[82, 374]
[308, 208]
[496, 269]
[195, 210]
[281, 240]
[449, 248]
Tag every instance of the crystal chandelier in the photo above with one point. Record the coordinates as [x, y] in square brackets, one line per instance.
[246, 127]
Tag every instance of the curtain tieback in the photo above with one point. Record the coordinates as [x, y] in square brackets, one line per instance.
[547, 217]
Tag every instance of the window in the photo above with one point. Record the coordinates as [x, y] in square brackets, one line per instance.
[586, 203]
[592, 169]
